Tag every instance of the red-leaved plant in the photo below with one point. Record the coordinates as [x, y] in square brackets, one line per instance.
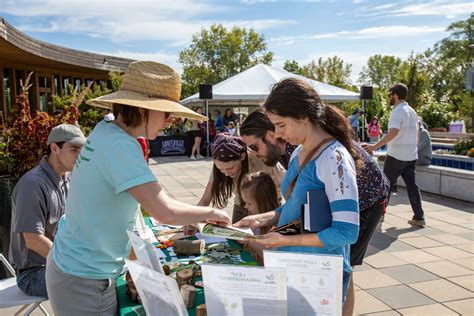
[25, 135]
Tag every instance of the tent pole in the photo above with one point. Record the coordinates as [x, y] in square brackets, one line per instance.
[207, 127]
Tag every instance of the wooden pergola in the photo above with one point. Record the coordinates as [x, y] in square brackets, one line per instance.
[54, 68]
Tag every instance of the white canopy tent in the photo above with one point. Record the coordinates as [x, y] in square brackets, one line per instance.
[253, 85]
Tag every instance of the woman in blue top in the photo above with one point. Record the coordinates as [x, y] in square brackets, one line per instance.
[300, 117]
[109, 180]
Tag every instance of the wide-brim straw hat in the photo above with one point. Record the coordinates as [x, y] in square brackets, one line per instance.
[149, 85]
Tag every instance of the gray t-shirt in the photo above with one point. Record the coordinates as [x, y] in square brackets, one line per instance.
[38, 202]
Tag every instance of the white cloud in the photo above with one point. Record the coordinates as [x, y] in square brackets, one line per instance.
[371, 32]
[427, 8]
[449, 10]
[126, 21]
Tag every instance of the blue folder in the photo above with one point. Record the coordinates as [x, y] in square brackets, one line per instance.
[320, 216]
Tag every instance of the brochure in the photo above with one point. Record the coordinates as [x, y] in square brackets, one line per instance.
[229, 232]
[243, 290]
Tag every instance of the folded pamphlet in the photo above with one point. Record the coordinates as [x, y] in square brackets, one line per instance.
[229, 232]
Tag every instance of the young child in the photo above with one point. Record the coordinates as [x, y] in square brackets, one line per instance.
[261, 184]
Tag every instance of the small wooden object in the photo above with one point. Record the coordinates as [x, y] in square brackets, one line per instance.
[185, 276]
[201, 310]
[166, 269]
[189, 247]
[188, 293]
[131, 289]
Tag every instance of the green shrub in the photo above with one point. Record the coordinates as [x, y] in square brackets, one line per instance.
[436, 113]
[463, 146]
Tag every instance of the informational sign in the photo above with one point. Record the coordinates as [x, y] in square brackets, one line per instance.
[457, 127]
[158, 292]
[314, 281]
[170, 146]
[146, 253]
[244, 290]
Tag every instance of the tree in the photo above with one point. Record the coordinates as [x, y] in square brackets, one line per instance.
[381, 70]
[332, 71]
[413, 73]
[217, 53]
[294, 67]
[447, 64]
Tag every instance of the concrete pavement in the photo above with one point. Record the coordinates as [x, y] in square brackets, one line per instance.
[407, 270]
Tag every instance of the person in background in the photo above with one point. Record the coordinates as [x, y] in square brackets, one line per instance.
[230, 128]
[229, 116]
[425, 153]
[109, 183]
[354, 121]
[374, 130]
[109, 117]
[402, 153]
[197, 135]
[38, 202]
[218, 121]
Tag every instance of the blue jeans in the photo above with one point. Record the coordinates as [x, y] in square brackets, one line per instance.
[32, 281]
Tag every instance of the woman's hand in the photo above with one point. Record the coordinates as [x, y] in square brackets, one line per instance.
[189, 230]
[270, 240]
[249, 221]
[218, 217]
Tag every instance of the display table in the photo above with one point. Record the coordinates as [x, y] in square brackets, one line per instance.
[129, 308]
[177, 145]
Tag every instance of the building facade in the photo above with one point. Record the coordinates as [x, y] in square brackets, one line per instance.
[54, 68]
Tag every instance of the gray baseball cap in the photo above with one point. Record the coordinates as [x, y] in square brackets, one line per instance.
[66, 133]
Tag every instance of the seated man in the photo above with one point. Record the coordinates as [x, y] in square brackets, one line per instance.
[425, 153]
[38, 202]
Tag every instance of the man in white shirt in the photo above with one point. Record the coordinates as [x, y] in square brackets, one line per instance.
[402, 154]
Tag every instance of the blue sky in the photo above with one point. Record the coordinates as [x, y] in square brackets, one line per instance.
[300, 30]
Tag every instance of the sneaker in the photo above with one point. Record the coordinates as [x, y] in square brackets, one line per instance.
[192, 157]
[417, 222]
[200, 157]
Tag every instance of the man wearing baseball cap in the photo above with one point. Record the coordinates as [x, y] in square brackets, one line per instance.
[38, 202]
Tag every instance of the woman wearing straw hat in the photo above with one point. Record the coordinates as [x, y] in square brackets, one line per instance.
[110, 178]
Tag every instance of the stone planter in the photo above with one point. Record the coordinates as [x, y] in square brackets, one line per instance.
[7, 183]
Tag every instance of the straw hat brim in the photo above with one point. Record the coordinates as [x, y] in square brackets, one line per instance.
[143, 101]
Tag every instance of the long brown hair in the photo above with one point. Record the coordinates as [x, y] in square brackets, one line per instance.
[295, 98]
[222, 185]
[262, 189]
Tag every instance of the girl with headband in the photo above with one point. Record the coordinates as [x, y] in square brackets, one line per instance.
[232, 161]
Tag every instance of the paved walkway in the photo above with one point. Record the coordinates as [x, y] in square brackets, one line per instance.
[407, 271]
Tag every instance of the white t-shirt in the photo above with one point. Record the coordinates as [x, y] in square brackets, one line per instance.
[404, 145]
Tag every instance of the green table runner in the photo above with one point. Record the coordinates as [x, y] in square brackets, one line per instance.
[129, 308]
